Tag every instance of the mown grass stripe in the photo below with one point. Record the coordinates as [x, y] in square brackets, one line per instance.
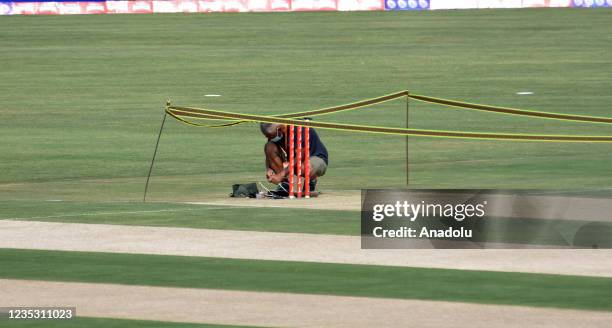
[90, 322]
[527, 289]
[314, 221]
[529, 231]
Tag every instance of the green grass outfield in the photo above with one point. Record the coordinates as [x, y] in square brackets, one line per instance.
[79, 322]
[82, 98]
[541, 290]
[187, 216]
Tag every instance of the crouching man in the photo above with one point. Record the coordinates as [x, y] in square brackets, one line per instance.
[277, 163]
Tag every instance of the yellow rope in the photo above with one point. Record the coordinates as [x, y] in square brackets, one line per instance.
[203, 113]
[290, 118]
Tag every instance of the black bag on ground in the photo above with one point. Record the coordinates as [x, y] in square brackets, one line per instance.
[244, 190]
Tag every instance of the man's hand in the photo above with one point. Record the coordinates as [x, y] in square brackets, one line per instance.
[269, 173]
[276, 178]
[273, 177]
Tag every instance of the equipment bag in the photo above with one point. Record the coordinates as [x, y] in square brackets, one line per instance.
[244, 190]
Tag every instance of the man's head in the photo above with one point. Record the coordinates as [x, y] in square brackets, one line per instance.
[272, 130]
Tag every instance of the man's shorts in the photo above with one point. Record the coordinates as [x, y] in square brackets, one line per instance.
[317, 166]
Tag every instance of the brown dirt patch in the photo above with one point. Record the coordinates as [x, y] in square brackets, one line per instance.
[281, 310]
[292, 247]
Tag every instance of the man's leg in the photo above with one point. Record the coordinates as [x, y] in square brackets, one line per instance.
[317, 169]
